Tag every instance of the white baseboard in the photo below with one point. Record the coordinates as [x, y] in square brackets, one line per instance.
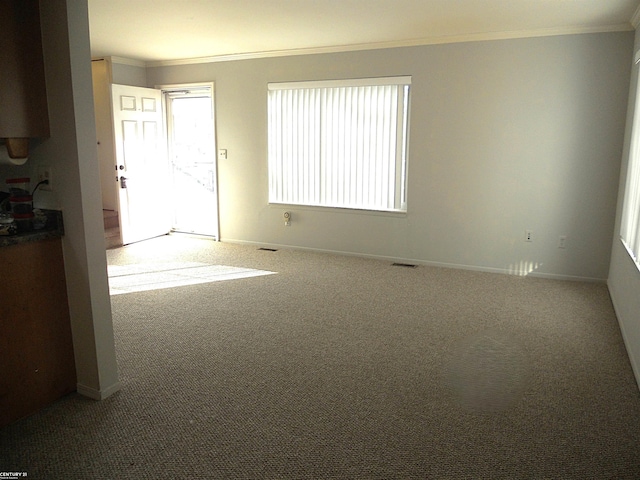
[519, 273]
[98, 394]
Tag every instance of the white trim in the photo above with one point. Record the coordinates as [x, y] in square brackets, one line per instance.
[128, 61]
[186, 86]
[98, 394]
[472, 37]
[317, 208]
[351, 82]
[457, 266]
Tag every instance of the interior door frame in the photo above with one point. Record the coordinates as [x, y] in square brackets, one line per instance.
[196, 86]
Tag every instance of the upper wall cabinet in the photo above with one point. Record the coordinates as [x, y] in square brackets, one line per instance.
[23, 96]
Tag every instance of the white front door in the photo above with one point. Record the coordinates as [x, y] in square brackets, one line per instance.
[192, 158]
[141, 163]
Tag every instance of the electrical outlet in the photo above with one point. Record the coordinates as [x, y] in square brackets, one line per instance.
[44, 173]
[528, 235]
[562, 241]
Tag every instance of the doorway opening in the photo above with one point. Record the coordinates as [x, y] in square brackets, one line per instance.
[191, 142]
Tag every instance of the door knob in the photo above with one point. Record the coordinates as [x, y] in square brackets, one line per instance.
[123, 182]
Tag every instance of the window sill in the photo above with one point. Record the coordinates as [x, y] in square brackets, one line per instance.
[340, 210]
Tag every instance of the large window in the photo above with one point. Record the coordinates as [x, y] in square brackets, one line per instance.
[630, 227]
[339, 143]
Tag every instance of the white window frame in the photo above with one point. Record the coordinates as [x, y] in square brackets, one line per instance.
[630, 222]
[322, 152]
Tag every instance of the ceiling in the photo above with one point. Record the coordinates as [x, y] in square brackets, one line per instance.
[169, 30]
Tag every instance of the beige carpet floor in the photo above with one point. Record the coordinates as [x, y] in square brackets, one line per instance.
[342, 367]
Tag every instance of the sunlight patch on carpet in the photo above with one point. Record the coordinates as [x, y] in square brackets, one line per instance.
[156, 276]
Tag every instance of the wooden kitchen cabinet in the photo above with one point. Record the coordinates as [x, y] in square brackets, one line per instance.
[36, 353]
[23, 95]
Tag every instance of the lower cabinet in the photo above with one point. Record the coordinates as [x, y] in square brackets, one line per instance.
[36, 352]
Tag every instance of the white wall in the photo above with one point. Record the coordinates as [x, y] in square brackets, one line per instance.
[624, 277]
[105, 71]
[130, 73]
[71, 152]
[101, 80]
[505, 136]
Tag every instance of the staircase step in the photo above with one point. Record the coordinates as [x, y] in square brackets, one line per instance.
[112, 237]
[111, 232]
[111, 229]
[110, 243]
[110, 219]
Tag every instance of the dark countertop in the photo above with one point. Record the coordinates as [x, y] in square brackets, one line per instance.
[54, 228]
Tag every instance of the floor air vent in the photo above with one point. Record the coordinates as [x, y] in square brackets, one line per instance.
[268, 249]
[408, 265]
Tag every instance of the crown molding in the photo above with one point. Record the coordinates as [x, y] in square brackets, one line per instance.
[127, 61]
[436, 40]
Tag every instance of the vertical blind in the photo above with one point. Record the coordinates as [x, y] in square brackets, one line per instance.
[630, 226]
[339, 143]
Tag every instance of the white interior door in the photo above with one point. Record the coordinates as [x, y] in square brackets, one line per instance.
[141, 163]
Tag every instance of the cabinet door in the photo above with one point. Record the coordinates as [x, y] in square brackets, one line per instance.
[36, 353]
[23, 94]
